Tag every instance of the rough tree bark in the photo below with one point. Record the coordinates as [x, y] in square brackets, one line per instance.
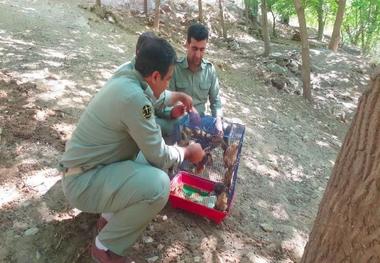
[224, 30]
[265, 31]
[156, 23]
[200, 18]
[347, 227]
[335, 37]
[305, 50]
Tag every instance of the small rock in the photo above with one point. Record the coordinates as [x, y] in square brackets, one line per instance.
[278, 83]
[152, 259]
[160, 246]
[163, 218]
[197, 259]
[266, 227]
[147, 239]
[111, 20]
[31, 231]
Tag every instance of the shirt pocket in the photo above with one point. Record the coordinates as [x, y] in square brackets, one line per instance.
[182, 86]
[204, 88]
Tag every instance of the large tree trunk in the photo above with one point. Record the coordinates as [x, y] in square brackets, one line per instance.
[200, 11]
[98, 3]
[347, 227]
[224, 30]
[305, 50]
[156, 23]
[264, 25]
[146, 8]
[335, 37]
[321, 20]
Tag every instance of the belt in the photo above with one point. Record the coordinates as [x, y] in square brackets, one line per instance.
[73, 171]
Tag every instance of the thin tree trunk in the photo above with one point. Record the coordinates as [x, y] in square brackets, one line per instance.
[335, 37]
[347, 227]
[200, 11]
[247, 9]
[98, 3]
[274, 23]
[146, 8]
[265, 31]
[305, 50]
[156, 23]
[222, 19]
[321, 21]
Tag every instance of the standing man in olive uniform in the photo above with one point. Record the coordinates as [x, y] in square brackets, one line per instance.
[196, 77]
[101, 174]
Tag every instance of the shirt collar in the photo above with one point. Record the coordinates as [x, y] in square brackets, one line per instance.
[144, 85]
[185, 64]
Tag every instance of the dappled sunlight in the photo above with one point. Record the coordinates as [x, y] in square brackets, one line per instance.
[296, 244]
[9, 41]
[174, 250]
[8, 193]
[279, 212]
[48, 52]
[323, 144]
[254, 258]
[116, 48]
[41, 181]
[239, 65]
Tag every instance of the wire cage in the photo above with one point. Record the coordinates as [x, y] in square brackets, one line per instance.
[222, 159]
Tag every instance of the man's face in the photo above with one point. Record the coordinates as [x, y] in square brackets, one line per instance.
[195, 51]
[160, 84]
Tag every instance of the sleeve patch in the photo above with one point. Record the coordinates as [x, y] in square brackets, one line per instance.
[147, 111]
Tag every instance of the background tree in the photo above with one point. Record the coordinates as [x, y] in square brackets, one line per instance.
[200, 11]
[252, 10]
[318, 9]
[347, 227]
[335, 37]
[304, 50]
[224, 30]
[98, 3]
[362, 24]
[265, 31]
[156, 23]
[146, 8]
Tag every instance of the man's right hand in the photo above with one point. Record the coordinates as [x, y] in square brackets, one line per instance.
[177, 111]
[183, 98]
[194, 153]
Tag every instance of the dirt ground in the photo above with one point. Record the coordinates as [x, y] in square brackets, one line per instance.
[55, 55]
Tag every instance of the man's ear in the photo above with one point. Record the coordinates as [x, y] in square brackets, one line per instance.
[156, 76]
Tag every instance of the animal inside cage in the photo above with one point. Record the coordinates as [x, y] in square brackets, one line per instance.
[220, 164]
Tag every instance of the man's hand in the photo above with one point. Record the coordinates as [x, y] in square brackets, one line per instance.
[185, 99]
[194, 153]
[177, 111]
[219, 126]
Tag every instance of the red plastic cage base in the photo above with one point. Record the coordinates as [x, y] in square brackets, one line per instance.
[197, 182]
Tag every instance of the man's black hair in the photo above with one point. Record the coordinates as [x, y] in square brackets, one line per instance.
[197, 31]
[155, 55]
[146, 36]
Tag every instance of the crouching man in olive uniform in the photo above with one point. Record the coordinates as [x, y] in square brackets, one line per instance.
[101, 174]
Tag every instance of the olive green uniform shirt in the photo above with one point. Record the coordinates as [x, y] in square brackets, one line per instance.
[202, 85]
[117, 124]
